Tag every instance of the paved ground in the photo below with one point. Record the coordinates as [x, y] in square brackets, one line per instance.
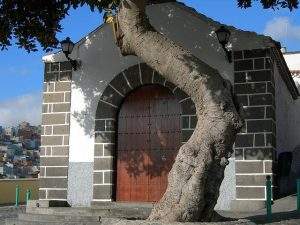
[9, 212]
[284, 212]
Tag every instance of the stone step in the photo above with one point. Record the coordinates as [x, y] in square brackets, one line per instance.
[54, 218]
[42, 222]
[113, 221]
[113, 210]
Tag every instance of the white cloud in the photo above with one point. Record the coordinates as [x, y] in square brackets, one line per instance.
[21, 108]
[281, 28]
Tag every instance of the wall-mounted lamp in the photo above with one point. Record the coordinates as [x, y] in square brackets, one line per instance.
[223, 35]
[67, 47]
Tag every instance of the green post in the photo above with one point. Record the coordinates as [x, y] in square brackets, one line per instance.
[298, 195]
[17, 196]
[28, 195]
[269, 198]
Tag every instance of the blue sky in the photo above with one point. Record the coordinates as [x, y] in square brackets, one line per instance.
[21, 74]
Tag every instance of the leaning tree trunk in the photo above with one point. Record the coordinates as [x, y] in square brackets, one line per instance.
[198, 170]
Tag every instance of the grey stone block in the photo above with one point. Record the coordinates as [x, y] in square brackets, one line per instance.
[185, 122]
[54, 67]
[271, 140]
[109, 149]
[247, 205]
[242, 65]
[170, 85]
[103, 192]
[259, 63]
[62, 107]
[133, 76]
[110, 125]
[270, 112]
[42, 171]
[242, 100]
[259, 76]
[256, 53]
[66, 140]
[103, 164]
[249, 167]
[158, 79]
[65, 66]
[51, 140]
[261, 99]
[259, 140]
[240, 77]
[251, 180]
[51, 119]
[98, 150]
[57, 171]
[269, 167]
[250, 192]
[60, 150]
[53, 182]
[67, 96]
[270, 88]
[61, 129]
[188, 107]
[57, 194]
[47, 130]
[193, 121]
[54, 161]
[62, 86]
[65, 76]
[254, 126]
[258, 153]
[146, 73]
[180, 94]
[105, 137]
[53, 97]
[51, 77]
[120, 84]
[244, 140]
[238, 54]
[42, 194]
[239, 153]
[108, 177]
[250, 88]
[98, 178]
[111, 96]
[254, 112]
[105, 111]
[186, 134]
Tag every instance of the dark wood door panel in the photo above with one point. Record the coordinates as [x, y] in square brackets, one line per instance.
[148, 141]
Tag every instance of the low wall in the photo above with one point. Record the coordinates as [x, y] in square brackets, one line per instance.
[8, 190]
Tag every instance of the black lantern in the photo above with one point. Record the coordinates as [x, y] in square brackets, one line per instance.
[223, 35]
[67, 47]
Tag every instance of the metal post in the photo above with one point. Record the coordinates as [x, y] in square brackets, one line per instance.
[269, 198]
[298, 195]
[17, 195]
[27, 196]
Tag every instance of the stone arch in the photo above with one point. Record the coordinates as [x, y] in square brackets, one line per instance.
[106, 116]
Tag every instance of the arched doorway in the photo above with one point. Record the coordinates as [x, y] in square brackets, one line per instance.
[148, 139]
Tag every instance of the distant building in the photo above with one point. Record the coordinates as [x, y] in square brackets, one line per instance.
[10, 131]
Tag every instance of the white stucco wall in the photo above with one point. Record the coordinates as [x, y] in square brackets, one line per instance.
[293, 116]
[283, 101]
[101, 61]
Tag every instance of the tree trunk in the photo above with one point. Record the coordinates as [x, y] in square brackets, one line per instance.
[198, 170]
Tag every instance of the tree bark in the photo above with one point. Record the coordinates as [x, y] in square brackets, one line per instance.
[198, 170]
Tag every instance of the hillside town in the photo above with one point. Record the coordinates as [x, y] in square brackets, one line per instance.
[19, 151]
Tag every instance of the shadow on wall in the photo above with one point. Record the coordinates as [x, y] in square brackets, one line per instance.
[288, 171]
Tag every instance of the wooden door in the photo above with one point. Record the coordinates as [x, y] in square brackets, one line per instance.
[148, 141]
